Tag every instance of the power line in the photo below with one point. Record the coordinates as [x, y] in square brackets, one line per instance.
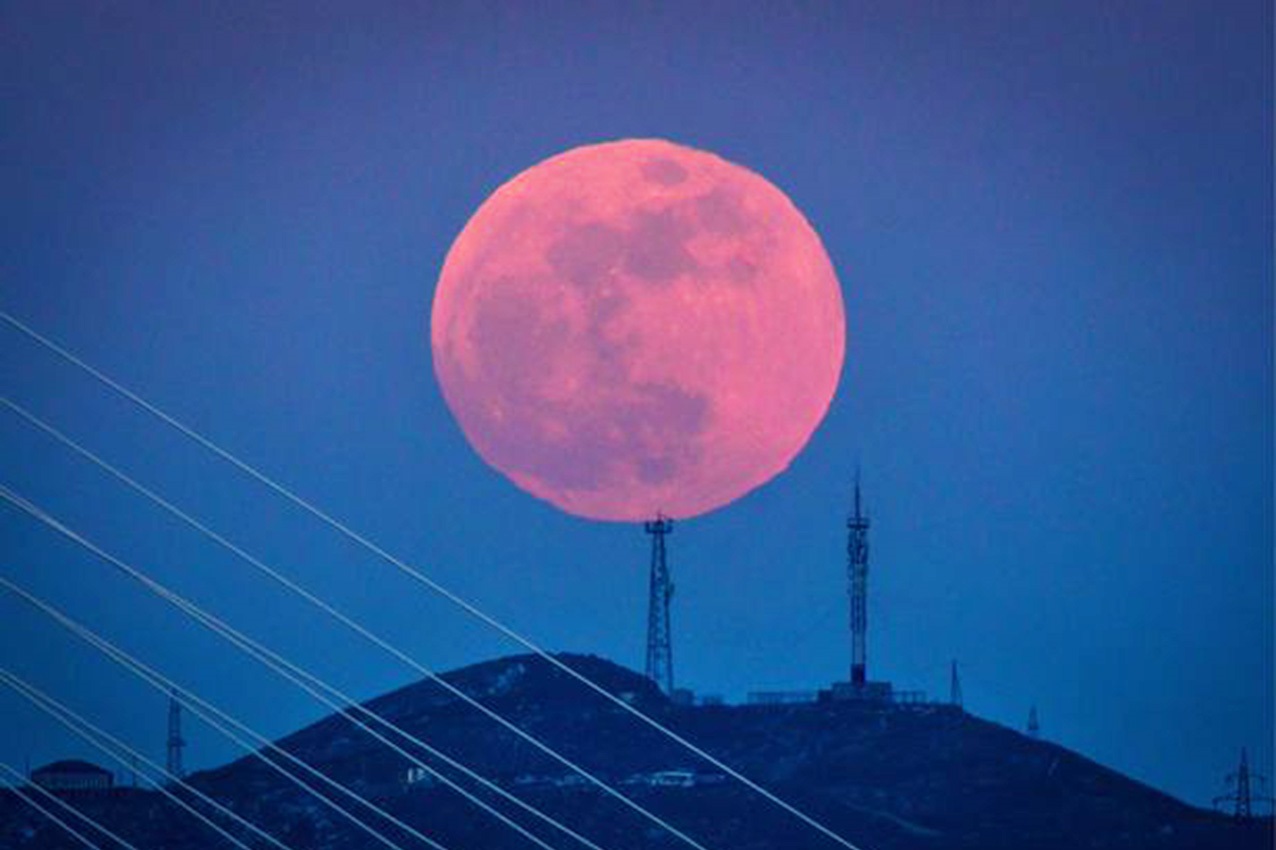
[362, 631]
[420, 577]
[30, 801]
[220, 720]
[88, 731]
[53, 798]
[289, 670]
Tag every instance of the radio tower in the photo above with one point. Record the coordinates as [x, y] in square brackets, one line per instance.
[954, 687]
[1034, 725]
[857, 568]
[175, 742]
[659, 639]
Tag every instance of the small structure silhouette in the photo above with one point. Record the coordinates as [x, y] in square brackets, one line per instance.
[1241, 791]
[175, 741]
[72, 775]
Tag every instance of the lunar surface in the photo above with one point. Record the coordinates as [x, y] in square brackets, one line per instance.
[635, 327]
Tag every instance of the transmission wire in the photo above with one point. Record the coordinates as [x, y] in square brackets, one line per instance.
[218, 719]
[284, 667]
[78, 725]
[354, 626]
[420, 577]
[75, 833]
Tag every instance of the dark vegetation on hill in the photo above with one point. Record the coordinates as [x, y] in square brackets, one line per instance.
[886, 777]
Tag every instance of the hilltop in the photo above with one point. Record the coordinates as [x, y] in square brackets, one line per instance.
[881, 774]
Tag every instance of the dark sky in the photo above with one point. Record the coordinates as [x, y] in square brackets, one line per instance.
[1052, 223]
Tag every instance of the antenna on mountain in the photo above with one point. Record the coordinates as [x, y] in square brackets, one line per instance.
[175, 742]
[659, 637]
[1241, 794]
[954, 687]
[857, 575]
[1034, 725]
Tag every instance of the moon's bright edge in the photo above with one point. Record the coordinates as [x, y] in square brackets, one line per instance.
[638, 326]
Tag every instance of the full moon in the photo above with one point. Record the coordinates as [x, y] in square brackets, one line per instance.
[638, 327]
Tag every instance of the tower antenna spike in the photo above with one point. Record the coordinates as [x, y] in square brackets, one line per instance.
[954, 693]
[857, 579]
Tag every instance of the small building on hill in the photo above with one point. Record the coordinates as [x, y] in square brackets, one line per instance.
[73, 775]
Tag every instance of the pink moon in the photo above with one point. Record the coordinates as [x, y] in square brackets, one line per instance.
[638, 327]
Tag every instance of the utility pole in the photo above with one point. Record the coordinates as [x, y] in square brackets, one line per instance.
[954, 687]
[175, 741]
[659, 637]
[857, 574]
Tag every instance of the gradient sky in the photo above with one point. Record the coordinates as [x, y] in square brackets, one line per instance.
[1052, 224]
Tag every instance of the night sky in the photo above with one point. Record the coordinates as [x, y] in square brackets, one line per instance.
[1052, 224]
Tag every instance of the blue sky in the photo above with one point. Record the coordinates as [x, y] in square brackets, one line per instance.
[1052, 223]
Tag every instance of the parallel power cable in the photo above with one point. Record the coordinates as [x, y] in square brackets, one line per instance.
[67, 807]
[344, 619]
[95, 736]
[419, 577]
[220, 720]
[72, 831]
[312, 684]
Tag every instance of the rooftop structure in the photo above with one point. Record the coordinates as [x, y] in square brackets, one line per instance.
[72, 775]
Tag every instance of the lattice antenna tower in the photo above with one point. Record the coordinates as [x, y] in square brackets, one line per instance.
[1034, 724]
[954, 687]
[175, 741]
[1241, 794]
[659, 636]
[857, 574]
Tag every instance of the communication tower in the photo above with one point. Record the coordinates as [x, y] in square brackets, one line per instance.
[857, 569]
[1034, 725]
[954, 687]
[659, 638]
[175, 742]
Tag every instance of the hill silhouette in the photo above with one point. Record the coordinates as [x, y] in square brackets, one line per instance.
[885, 776]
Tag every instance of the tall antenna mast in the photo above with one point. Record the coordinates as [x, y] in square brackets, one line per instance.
[954, 687]
[175, 741]
[857, 569]
[1034, 725]
[659, 638]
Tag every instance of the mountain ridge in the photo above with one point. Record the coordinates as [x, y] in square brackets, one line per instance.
[882, 775]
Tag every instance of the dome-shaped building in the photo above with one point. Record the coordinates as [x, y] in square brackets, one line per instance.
[72, 775]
